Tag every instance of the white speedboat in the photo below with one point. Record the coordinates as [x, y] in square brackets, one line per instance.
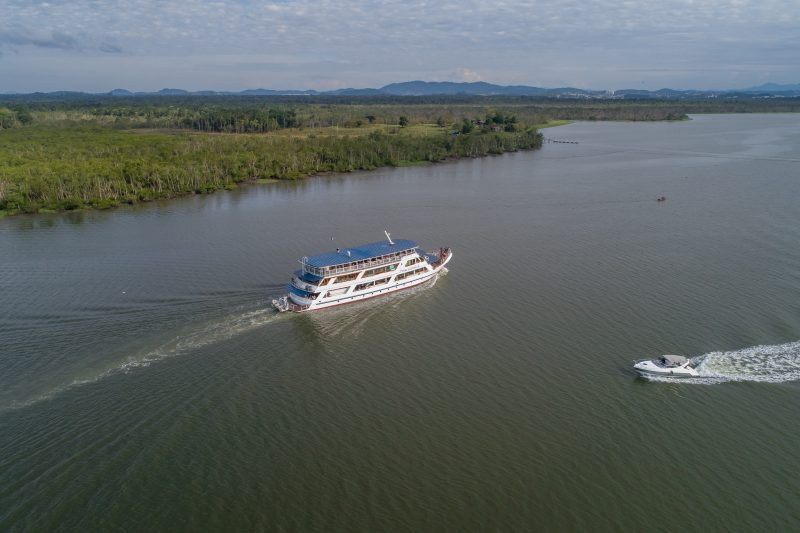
[675, 366]
[358, 273]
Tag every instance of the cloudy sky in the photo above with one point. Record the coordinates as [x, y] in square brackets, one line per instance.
[98, 45]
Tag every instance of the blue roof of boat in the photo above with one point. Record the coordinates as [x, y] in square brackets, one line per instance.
[359, 253]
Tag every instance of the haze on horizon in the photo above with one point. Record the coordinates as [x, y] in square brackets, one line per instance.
[145, 45]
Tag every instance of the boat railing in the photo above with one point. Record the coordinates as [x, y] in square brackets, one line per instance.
[354, 267]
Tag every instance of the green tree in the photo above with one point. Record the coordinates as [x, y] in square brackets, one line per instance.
[23, 116]
[7, 118]
[403, 121]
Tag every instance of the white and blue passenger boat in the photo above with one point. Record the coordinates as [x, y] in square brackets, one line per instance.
[353, 274]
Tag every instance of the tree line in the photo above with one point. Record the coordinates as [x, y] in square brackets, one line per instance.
[64, 169]
[72, 151]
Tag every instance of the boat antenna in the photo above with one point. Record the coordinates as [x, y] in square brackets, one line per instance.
[389, 236]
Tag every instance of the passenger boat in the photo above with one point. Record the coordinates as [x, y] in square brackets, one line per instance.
[675, 366]
[353, 274]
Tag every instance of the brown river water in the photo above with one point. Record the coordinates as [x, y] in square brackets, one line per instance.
[146, 385]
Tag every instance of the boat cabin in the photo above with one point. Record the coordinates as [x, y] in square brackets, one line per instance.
[671, 361]
[318, 267]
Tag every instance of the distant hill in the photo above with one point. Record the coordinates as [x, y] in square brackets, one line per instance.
[270, 92]
[172, 92]
[479, 88]
[355, 92]
[476, 89]
[774, 88]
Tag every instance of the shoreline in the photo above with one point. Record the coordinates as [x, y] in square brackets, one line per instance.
[474, 145]
[257, 182]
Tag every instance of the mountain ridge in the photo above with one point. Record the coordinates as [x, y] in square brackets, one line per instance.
[476, 88]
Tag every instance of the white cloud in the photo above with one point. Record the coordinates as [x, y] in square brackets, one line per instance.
[465, 74]
[369, 43]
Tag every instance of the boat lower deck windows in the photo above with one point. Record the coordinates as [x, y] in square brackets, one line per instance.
[371, 284]
[336, 292]
[346, 277]
[405, 275]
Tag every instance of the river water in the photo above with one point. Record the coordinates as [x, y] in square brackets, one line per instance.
[145, 385]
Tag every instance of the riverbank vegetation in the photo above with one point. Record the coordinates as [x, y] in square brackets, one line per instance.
[71, 152]
[45, 168]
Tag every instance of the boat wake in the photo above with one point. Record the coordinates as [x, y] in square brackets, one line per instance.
[210, 333]
[776, 363]
[351, 320]
[193, 338]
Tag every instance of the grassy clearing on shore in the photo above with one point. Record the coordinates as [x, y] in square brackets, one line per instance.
[552, 124]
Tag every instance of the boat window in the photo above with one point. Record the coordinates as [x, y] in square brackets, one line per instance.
[369, 284]
[380, 270]
[346, 277]
[405, 275]
[336, 292]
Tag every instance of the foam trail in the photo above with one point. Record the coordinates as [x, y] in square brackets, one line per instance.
[775, 363]
[769, 363]
[213, 332]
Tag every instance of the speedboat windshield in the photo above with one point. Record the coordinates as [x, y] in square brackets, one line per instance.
[672, 360]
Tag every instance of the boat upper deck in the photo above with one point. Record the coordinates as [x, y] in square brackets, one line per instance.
[357, 257]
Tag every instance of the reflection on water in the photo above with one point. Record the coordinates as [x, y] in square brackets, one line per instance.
[351, 320]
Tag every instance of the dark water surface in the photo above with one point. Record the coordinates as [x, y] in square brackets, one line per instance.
[145, 385]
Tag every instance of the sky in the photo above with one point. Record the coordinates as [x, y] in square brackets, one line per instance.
[146, 45]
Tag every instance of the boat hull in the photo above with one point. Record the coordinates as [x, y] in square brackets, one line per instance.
[670, 374]
[369, 296]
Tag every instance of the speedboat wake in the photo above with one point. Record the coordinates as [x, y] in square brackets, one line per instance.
[777, 363]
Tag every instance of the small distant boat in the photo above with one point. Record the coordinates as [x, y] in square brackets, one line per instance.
[676, 366]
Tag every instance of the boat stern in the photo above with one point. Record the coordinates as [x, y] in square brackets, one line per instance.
[284, 304]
